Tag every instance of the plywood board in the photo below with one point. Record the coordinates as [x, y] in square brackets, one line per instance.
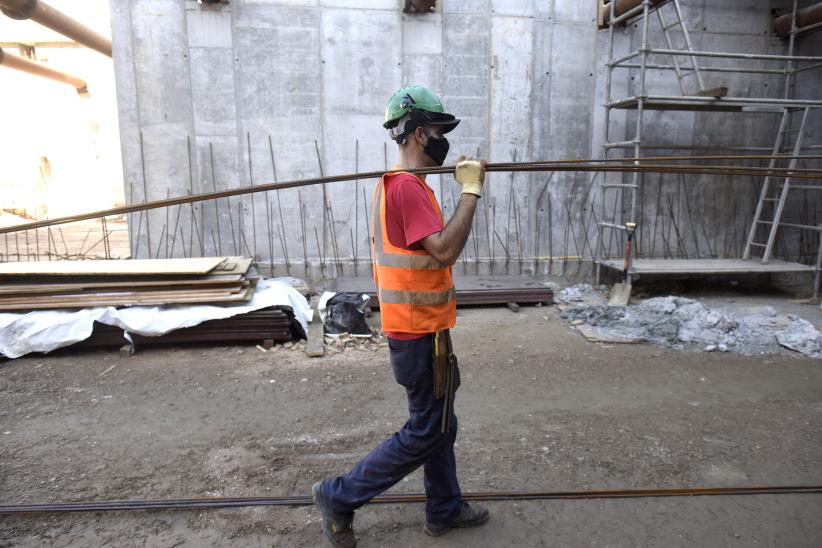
[81, 287]
[83, 284]
[197, 297]
[195, 266]
[126, 296]
[234, 265]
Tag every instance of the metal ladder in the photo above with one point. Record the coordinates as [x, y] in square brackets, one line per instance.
[781, 146]
[681, 71]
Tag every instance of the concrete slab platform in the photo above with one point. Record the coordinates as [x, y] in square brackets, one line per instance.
[721, 104]
[707, 266]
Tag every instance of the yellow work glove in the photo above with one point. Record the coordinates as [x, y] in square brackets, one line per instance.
[470, 173]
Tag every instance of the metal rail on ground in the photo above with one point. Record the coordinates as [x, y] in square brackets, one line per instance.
[305, 500]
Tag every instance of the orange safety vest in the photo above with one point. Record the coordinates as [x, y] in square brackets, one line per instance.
[416, 291]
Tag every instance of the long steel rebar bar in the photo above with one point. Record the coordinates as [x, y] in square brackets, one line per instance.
[643, 165]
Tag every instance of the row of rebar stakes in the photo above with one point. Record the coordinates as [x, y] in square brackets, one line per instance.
[673, 245]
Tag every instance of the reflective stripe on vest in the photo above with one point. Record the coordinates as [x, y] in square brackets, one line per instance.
[397, 260]
[416, 291]
[420, 298]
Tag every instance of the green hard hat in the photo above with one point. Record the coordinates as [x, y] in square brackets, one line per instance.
[421, 106]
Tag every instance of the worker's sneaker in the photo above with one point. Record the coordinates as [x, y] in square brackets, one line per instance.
[468, 516]
[337, 527]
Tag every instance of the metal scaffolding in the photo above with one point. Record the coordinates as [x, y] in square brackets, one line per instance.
[618, 205]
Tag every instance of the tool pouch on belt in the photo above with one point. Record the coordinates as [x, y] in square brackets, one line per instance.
[446, 371]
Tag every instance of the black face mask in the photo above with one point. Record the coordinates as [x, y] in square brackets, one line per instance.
[436, 149]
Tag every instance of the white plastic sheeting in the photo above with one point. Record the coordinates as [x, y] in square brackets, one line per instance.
[47, 330]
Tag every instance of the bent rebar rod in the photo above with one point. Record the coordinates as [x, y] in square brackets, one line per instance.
[631, 165]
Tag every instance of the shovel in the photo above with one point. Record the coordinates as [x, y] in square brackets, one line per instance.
[621, 292]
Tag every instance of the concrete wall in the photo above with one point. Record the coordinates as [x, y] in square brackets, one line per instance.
[527, 77]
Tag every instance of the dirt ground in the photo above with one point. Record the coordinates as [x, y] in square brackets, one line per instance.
[540, 409]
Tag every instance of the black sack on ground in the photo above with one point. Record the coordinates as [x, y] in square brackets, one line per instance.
[345, 313]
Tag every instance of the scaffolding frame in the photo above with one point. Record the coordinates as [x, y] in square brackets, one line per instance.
[643, 101]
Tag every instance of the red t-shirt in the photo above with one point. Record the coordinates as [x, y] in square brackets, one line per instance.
[409, 218]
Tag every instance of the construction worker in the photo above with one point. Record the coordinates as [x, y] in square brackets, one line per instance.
[413, 251]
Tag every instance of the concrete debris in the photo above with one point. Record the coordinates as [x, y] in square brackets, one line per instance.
[802, 337]
[574, 293]
[583, 294]
[678, 322]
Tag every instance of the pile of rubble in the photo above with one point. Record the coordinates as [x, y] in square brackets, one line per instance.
[341, 343]
[581, 294]
[345, 341]
[679, 322]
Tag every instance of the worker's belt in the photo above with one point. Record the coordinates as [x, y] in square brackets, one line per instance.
[446, 375]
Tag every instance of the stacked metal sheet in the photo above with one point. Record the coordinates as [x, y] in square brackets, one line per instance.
[82, 284]
[472, 290]
[484, 297]
[268, 325]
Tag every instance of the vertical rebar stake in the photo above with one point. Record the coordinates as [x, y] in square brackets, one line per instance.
[354, 239]
[253, 207]
[325, 197]
[280, 209]
[130, 219]
[320, 253]
[63, 239]
[193, 223]
[37, 244]
[334, 248]
[145, 194]
[551, 235]
[302, 226]
[168, 223]
[368, 227]
[219, 247]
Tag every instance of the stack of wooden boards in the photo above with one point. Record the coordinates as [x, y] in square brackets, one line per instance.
[81, 284]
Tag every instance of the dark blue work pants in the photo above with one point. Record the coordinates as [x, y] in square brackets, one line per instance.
[419, 442]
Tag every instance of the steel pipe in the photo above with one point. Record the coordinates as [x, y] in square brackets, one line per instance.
[809, 28]
[667, 146]
[720, 100]
[704, 69]
[57, 21]
[725, 55]
[808, 17]
[808, 67]
[628, 57]
[21, 63]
